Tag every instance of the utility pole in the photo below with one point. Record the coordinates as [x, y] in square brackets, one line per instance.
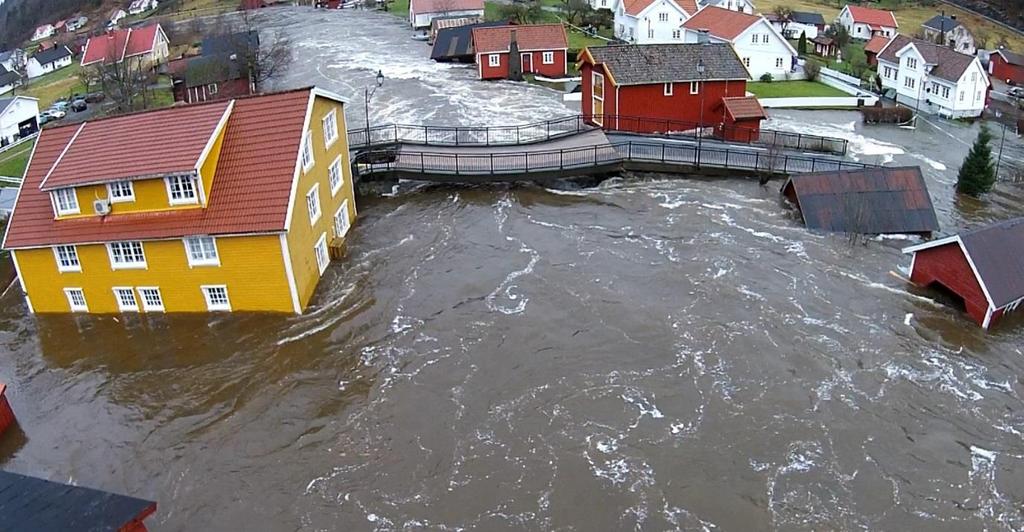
[1002, 141]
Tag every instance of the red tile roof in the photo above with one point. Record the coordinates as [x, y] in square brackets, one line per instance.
[744, 108]
[445, 6]
[250, 193]
[722, 23]
[635, 7]
[873, 17]
[876, 44]
[158, 143]
[114, 46]
[529, 37]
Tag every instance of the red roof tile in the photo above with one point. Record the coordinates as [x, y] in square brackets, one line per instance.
[635, 7]
[744, 107]
[876, 44]
[445, 6]
[250, 193]
[722, 23]
[114, 46]
[529, 37]
[873, 17]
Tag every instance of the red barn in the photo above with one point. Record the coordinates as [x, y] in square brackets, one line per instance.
[662, 84]
[507, 52]
[984, 268]
[1007, 66]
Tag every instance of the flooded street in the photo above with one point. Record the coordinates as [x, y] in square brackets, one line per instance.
[654, 354]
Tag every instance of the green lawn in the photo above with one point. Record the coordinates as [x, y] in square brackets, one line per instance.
[792, 89]
[53, 86]
[14, 161]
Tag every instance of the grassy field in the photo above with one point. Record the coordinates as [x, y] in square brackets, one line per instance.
[14, 161]
[792, 89]
[54, 85]
[909, 17]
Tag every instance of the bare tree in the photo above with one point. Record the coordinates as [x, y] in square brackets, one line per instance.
[265, 59]
[575, 11]
[125, 82]
[784, 15]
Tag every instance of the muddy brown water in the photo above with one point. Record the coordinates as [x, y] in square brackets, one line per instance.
[652, 353]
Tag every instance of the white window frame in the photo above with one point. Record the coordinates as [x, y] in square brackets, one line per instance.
[121, 307]
[548, 58]
[216, 307]
[343, 209]
[778, 62]
[321, 246]
[313, 200]
[72, 253]
[180, 179]
[72, 204]
[204, 260]
[666, 89]
[662, 17]
[145, 304]
[677, 34]
[127, 265]
[211, 89]
[335, 176]
[121, 199]
[650, 33]
[694, 87]
[330, 123]
[754, 38]
[307, 152]
[84, 307]
[494, 60]
[746, 62]
[764, 38]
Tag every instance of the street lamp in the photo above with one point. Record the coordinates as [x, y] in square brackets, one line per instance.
[700, 124]
[368, 93]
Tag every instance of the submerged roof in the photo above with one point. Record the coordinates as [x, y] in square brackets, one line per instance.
[631, 64]
[869, 201]
[456, 42]
[529, 37]
[250, 193]
[28, 503]
[722, 23]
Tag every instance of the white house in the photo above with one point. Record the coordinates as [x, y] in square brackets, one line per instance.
[949, 31]
[422, 12]
[8, 80]
[137, 7]
[43, 32]
[18, 118]
[800, 22]
[862, 23]
[48, 61]
[76, 23]
[652, 21]
[745, 6]
[932, 78]
[760, 46]
[116, 16]
[13, 60]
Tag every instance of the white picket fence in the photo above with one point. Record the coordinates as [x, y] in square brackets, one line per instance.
[817, 101]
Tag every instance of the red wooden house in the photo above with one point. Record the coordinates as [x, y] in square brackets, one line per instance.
[984, 268]
[508, 52]
[658, 88]
[1007, 66]
[873, 48]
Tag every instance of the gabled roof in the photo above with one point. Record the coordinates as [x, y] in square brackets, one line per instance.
[5, 103]
[208, 69]
[824, 40]
[53, 54]
[949, 64]
[116, 45]
[1012, 58]
[869, 201]
[722, 23]
[529, 37]
[420, 7]
[877, 43]
[631, 64]
[8, 77]
[635, 7]
[743, 107]
[873, 17]
[457, 42]
[941, 23]
[994, 252]
[808, 17]
[251, 189]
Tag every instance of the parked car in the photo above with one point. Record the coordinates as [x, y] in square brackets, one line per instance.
[79, 105]
[54, 114]
[60, 105]
[1016, 92]
[95, 97]
[43, 118]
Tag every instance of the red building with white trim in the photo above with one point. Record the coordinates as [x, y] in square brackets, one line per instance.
[506, 52]
[983, 268]
[1006, 66]
[662, 84]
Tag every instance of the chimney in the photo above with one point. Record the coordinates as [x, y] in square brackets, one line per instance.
[702, 36]
[515, 61]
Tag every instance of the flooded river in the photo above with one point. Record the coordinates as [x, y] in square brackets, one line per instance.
[652, 354]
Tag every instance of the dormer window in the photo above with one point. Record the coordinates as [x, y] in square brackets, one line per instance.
[181, 190]
[65, 201]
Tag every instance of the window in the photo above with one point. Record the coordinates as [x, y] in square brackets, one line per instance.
[216, 297]
[67, 259]
[945, 92]
[120, 192]
[548, 58]
[667, 89]
[650, 33]
[126, 255]
[974, 76]
[76, 299]
[151, 299]
[334, 177]
[341, 224]
[911, 62]
[746, 62]
[754, 38]
[313, 203]
[322, 258]
[961, 96]
[859, 28]
[977, 96]
[202, 251]
[764, 38]
[330, 128]
[676, 34]
[181, 190]
[597, 84]
[66, 201]
[778, 62]
[694, 87]
[888, 73]
[909, 82]
[493, 60]
[307, 151]
[126, 301]
[662, 17]
[630, 33]
[935, 88]
[211, 88]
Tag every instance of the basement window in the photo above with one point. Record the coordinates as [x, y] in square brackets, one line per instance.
[216, 297]
[76, 299]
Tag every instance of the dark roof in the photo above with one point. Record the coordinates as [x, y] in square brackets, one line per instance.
[28, 503]
[212, 69]
[996, 253]
[1012, 57]
[7, 77]
[941, 23]
[231, 43]
[869, 201]
[823, 39]
[631, 64]
[949, 64]
[51, 55]
[455, 43]
[4, 102]
[807, 17]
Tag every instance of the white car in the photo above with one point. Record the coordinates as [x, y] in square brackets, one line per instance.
[54, 114]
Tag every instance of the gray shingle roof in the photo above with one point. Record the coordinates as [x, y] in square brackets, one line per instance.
[940, 23]
[7, 77]
[808, 17]
[995, 251]
[664, 63]
[949, 64]
[1012, 57]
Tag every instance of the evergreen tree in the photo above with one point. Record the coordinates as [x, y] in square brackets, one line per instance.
[978, 173]
[801, 45]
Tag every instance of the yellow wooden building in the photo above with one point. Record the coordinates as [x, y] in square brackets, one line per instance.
[222, 206]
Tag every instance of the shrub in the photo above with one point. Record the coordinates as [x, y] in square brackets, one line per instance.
[812, 68]
[766, 77]
[886, 115]
[801, 45]
[977, 174]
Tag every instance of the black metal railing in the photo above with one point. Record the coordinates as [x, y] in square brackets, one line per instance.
[596, 157]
